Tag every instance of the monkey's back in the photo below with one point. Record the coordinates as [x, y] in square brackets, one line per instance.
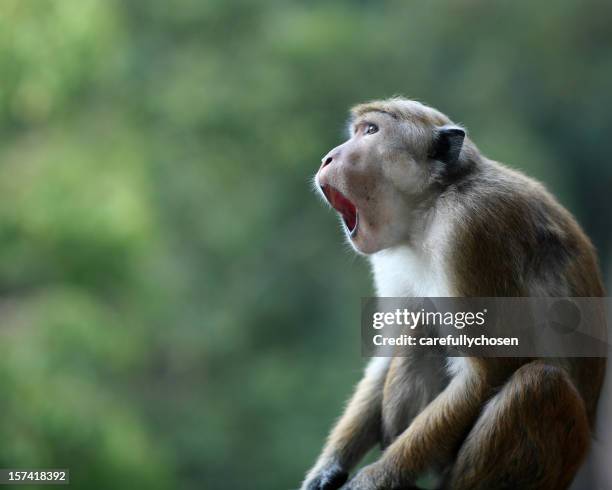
[517, 240]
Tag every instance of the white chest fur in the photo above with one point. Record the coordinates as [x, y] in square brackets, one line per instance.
[404, 271]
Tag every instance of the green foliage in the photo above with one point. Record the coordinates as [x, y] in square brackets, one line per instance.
[178, 310]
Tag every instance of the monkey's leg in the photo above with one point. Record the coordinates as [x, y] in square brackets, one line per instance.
[532, 435]
[355, 433]
[434, 436]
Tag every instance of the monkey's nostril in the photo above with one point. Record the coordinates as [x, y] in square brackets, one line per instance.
[326, 161]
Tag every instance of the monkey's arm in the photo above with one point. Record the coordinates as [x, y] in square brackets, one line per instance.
[434, 435]
[355, 433]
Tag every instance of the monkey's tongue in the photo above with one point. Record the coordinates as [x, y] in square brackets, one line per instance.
[342, 204]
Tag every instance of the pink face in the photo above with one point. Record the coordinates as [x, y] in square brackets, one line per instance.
[373, 180]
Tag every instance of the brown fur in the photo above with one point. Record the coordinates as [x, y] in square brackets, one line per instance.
[497, 423]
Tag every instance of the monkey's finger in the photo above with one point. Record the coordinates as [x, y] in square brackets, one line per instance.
[333, 480]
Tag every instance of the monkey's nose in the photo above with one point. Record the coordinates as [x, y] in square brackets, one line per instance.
[326, 161]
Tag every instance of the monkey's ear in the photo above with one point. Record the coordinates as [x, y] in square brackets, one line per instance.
[447, 144]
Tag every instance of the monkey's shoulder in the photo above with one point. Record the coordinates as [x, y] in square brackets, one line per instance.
[512, 238]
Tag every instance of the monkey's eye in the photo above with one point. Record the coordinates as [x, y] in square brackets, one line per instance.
[371, 128]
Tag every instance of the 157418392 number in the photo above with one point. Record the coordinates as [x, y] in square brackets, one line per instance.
[40, 476]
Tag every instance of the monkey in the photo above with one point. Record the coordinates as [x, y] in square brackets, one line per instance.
[437, 218]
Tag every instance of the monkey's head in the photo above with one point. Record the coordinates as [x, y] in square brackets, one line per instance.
[383, 180]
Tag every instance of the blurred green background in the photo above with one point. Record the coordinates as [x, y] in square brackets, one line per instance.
[178, 310]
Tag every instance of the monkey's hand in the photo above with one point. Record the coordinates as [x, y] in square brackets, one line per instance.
[374, 477]
[329, 476]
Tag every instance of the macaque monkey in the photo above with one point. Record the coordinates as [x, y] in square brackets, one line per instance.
[437, 218]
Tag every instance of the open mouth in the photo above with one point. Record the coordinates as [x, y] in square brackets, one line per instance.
[344, 206]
